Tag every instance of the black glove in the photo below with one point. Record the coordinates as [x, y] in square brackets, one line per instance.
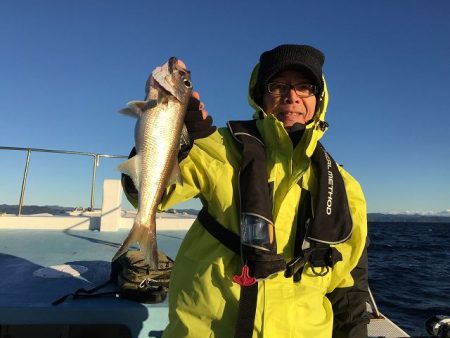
[195, 124]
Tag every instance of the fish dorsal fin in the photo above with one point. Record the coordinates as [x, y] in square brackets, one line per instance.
[136, 108]
[131, 167]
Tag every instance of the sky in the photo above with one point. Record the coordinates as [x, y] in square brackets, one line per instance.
[67, 67]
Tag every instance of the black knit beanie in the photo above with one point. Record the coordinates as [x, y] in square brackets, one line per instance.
[301, 57]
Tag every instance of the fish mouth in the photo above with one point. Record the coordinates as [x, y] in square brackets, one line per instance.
[173, 79]
[172, 64]
[176, 65]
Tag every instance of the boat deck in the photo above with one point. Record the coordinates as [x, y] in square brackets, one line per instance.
[26, 296]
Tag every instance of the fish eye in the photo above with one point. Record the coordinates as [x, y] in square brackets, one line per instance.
[187, 83]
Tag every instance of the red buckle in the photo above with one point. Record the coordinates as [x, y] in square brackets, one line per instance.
[244, 279]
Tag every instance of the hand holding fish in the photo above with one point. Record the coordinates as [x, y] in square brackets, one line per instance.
[201, 107]
[197, 120]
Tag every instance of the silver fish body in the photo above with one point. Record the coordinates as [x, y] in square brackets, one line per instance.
[158, 131]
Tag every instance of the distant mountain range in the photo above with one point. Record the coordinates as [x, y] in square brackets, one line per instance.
[35, 209]
[441, 217]
[409, 217]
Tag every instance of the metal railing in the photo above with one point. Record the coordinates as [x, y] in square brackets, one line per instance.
[96, 162]
[373, 305]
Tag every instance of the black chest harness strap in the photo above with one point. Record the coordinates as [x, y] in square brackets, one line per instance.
[330, 223]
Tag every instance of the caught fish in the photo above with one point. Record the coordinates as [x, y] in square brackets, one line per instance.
[158, 133]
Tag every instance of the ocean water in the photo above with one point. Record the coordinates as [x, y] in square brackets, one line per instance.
[409, 271]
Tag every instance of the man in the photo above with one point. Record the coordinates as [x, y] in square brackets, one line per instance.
[279, 248]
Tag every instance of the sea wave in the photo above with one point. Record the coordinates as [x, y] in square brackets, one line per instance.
[409, 271]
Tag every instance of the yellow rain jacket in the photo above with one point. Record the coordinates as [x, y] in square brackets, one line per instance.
[203, 299]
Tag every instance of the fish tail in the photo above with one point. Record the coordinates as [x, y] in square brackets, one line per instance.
[149, 248]
[146, 238]
[135, 235]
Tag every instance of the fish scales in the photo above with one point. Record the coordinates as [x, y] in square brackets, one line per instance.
[158, 156]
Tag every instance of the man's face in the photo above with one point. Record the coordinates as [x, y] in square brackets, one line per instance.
[289, 108]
